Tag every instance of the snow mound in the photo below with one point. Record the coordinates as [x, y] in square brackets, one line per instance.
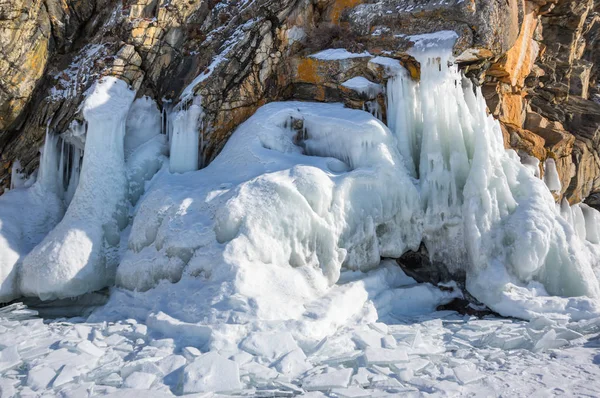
[300, 205]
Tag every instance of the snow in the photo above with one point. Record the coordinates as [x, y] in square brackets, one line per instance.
[363, 86]
[336, 54]
[391, 65]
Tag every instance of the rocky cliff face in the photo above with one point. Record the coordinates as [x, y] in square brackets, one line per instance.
[537, 61]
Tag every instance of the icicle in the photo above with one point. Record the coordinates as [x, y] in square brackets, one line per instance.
[566, 212]
[48, 175]
[551, 177]
[404, 119]
[185, 138]
[17, 177]
[532, 163]
[579, 221]
[61, 170]
[73, 174]
[592, 223]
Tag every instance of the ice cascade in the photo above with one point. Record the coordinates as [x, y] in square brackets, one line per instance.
[185, 137]
[27, 213]
[486, 215]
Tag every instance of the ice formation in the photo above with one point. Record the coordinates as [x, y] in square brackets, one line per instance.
[280, 238]
[79, 255]
[551, 177]
[277, 245]
[184, 137]
[27, 214]
[485, 213]
[300, 204]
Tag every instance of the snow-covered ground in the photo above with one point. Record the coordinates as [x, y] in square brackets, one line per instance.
[394, 346]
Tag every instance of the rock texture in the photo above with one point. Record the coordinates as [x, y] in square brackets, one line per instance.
[537, 61]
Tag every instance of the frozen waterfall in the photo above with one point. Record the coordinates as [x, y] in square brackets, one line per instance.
[184, 137]
[485, 213]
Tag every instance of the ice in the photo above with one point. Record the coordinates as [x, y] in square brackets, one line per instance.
[388, 342]
[352, 392]
[384, 356]
[549, 341]
[202, 228]
[579, 221]
[367, 338]
[476, 210]
[532, 163]
[592, 223]
[338, 54]
[143, 163]
[67, 373]
[112, 379]
[551, 177]
[293, 364]
[89, 348]
[27, 214]
[190, 353]
[9, 358]
[140, 380]
[269, 345]
[363, 86]
[40, 377]
[414, 300]
[171, 363]
[78, 256]
[466, 374]
[326, 381]
[184, 138]
[210, 373]
[194, 334]
[257, 371]
[143, 124]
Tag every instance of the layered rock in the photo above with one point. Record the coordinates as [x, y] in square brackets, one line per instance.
[534, 58]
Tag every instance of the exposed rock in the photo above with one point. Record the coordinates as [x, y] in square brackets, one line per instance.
[536, 61]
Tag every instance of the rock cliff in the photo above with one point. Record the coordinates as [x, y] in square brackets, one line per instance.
[537, 61]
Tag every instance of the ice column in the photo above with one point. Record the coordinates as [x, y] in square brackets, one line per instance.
[79, 255]
[49, 171]
[551, 177]
[185, 138]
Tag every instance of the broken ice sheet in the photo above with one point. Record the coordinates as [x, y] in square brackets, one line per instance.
[384, 356]
[328, 380]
